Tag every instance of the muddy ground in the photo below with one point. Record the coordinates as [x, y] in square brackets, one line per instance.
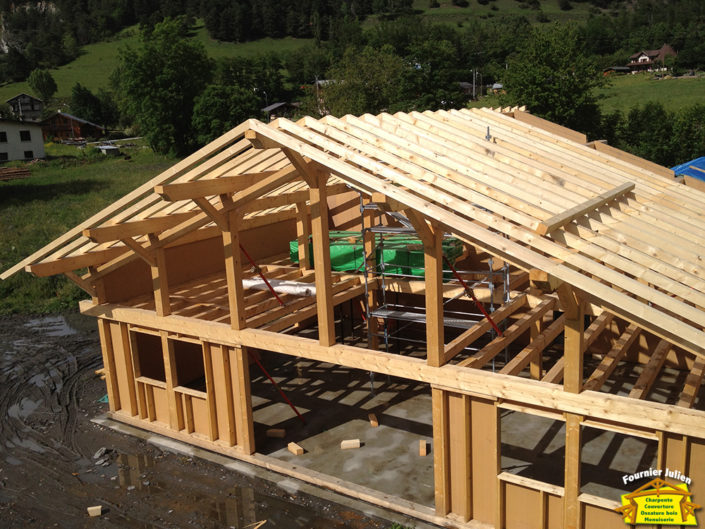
[55, 462]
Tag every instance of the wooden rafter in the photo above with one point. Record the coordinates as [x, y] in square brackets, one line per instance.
[515, 330]
[536, 347]
[692, 384]
[209, 187]
[610, 361]
[650, 371]
[136, 228]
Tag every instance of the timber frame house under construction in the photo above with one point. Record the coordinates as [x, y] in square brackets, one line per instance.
[597, 258]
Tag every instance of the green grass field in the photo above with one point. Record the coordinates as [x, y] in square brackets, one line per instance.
[97, 61]
[627, 91]
[448, 13]
[63, 191]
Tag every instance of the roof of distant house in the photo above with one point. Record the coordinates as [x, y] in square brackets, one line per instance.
[23, 94]
[70, 116]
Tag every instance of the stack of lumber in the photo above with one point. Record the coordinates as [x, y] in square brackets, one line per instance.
[13, 173]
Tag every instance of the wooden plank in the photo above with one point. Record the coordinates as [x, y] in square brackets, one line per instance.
[373, 420]
[303, 235]
[209, 187]
[135, 228]
[482, 327]
[126, 349]
[610, 361]
[433, 267]
[651, 370]
[321, 260]
[692, 384]
[244, 424]
[348, 444]
[536, 347]
[441, 449]
[632, 159]
[227, 431]
[75, 262]
[645, 414]
[176, 411]
[210, 391]
[160, 284]
[295, 449]
[557, 221]
[233, 272]
[106, 348]
[514, 331]
[573, 439]
[573, 348]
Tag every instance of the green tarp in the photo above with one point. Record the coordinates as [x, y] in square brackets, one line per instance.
[395, 253]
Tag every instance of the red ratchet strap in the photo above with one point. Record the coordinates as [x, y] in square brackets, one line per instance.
[470, 293]
[257, 269]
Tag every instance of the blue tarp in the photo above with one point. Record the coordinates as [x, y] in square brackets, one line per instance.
[687, 168]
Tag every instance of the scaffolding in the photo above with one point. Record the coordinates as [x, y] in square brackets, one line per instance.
[389, 309]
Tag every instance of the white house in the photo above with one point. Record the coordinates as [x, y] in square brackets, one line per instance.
[20, 140]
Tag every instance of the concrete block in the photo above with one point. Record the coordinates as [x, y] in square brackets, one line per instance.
[278, 433]
[95, 510]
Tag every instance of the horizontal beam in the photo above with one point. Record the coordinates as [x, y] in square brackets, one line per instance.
[557, 221]
[599, 406]
[136, 228]
[66, 264]
[209, 187]
[288, 199]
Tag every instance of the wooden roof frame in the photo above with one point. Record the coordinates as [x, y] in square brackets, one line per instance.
[617, 230]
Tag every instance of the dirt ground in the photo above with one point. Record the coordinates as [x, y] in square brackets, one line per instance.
[55, 462]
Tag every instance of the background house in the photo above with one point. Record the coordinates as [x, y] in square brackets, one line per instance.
[649, 60]
[26, 107]
[64, 126]
[20, 140]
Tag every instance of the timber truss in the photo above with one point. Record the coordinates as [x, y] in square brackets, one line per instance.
[606, 250]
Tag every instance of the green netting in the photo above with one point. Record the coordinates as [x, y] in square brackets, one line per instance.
[395, 254]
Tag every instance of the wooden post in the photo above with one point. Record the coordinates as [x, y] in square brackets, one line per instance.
[233, 272]
[441, 470]
[303, 233]
[244, 425]
[106, 347]
[129, 368]
[574, 340]
[160, 284]
[571, 507]
[210, 391]
[321, 260]
[536, 363]
[369, 244]
[433, 263]
[176, 411]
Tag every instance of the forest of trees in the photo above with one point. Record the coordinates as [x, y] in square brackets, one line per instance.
[401, 62]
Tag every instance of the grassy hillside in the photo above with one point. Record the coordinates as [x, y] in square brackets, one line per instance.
[451, 14]
[97, 61]
[63, 191]
[626, 91]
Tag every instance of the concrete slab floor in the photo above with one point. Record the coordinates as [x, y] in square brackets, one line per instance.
[335, 403]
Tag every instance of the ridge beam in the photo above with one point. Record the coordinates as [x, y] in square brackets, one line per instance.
[545, 227]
